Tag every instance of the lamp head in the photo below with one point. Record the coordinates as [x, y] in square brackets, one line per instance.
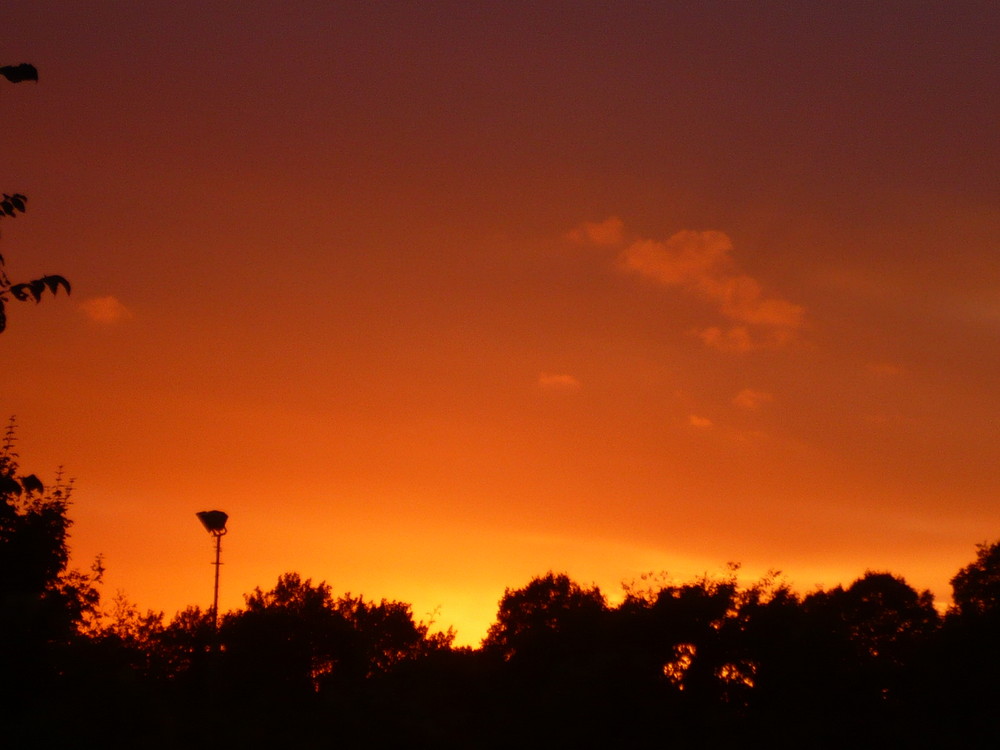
[214, 521]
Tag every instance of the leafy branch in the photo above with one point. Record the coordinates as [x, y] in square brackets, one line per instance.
[10, 206]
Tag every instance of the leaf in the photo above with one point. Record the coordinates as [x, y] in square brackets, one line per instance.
[20, 292]
[54, 281]
[31, 483]
[9, 486]
[13, 203]
[37, 287]
[19, 73]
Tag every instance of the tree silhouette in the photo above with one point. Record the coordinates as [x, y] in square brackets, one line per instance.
[43, 604]
[10, 206]
[550, 609]
[976, 587]
[40, 599]
[964, 664]
[553, 666]
[300, 638]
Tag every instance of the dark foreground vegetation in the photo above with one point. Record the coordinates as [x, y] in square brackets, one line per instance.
[708, 663]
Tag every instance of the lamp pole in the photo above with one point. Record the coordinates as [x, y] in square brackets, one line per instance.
[215, 594]
[214, 522]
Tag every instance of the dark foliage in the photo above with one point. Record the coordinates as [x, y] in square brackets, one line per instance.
[976, 587]
[43, 605]
[19, 73]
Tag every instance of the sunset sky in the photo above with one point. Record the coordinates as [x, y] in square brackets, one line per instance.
[435, 297]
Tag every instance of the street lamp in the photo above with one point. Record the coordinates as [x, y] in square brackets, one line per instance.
[214, 522]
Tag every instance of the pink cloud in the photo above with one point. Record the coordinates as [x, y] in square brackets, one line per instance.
[701, 264]
[554, 381]
[885, 369]
[735, 339]
[105, 310]
[741, 298]
[686, 258]
[751, 399]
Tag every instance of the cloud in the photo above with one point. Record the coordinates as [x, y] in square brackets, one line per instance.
[554, 381]
[701, 264]
[687, 258]
[609, 232]
[751, 399]
[106, 310]
[735, 339]
[741, 298]
[885, 369]
[700, 422]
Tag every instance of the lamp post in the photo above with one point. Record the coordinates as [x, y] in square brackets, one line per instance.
[214, 522]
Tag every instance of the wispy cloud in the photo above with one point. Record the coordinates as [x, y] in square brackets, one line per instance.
[687, 258]
[701, 423]
[752, 400]
[733, 339]
[885, 369]
[701, 264]
[105, 310]
[558, 381]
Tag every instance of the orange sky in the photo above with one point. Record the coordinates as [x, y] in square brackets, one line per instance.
[434, 297]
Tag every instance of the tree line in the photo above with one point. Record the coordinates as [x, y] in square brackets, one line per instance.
[705, 663]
